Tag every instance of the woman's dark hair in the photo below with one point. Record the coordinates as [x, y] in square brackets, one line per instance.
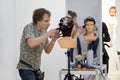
[72, 13]
[39, 13]
[66, 25]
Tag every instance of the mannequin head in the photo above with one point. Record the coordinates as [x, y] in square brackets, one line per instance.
[66, 25]
[89, 24]
[112, 11]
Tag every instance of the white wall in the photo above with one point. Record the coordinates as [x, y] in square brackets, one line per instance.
[52, 63]
[14, 15]
[7, 40]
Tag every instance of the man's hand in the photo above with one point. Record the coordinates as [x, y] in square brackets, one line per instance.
[54, 34]
[80, 30]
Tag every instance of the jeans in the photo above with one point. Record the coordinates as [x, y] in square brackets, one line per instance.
[27, 74]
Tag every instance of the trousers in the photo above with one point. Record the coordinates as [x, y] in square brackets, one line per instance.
[27, 74]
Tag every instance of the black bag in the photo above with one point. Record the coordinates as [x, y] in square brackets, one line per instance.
[38, 73]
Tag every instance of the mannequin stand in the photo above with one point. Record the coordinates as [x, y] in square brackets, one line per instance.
[68, 76]
[68, 42]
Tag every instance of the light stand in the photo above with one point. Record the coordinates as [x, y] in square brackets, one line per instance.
[68, 76]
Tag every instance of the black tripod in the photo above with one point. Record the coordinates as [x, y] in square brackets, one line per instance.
[68, 76]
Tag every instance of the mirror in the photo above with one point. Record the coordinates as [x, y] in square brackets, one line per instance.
[85, 8]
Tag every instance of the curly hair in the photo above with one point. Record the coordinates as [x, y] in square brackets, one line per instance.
[89, 19]
[39, 13]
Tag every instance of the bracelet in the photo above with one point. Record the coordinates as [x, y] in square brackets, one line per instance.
[77, 34]
[52, 42]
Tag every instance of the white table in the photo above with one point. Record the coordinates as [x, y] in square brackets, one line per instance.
[95, 72]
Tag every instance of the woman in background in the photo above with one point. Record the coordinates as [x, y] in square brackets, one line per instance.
[114, 42]
[112, 24]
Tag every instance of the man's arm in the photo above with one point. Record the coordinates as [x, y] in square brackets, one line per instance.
[48, 47]
[35, 41]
